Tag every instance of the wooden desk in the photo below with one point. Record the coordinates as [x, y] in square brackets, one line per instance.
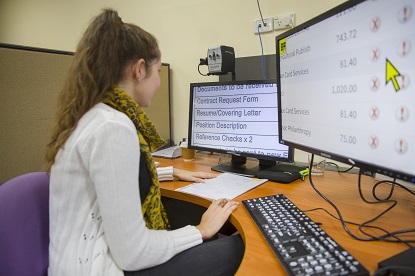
[341, 189]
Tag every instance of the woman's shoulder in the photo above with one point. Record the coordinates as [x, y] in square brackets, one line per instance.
[102, 113]
[107, 112]
[102, 117]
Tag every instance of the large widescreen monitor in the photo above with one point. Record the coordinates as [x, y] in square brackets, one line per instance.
[239, 118]
[347, 86]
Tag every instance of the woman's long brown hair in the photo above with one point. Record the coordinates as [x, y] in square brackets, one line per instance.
[107, 47]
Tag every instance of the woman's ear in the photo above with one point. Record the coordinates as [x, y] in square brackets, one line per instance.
[139, 69]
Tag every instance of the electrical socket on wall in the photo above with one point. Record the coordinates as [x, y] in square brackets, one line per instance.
[269, 25]
[284, 21]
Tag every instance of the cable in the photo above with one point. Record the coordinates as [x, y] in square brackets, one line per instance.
[203, 61]
[260, 13]
[365, 224]
[262, 51]
[198, 69]
[385, 200]
[337, 166]
[348, 222]
[260, 41]
[387, 234]
[332, 204]
[390, 182]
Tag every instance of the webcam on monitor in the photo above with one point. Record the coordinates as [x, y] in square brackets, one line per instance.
[220, 60]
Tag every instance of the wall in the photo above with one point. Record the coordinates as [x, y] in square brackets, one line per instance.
[185, 30]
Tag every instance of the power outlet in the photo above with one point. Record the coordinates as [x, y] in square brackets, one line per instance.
[284, 21]
[264, 26]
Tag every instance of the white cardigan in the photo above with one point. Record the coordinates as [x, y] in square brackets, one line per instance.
[96, 223]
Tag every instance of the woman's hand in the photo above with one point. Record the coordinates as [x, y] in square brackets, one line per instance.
[192, 176]
[215, 217]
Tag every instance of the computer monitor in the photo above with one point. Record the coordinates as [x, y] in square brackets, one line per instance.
[238, 118]
[346, 84]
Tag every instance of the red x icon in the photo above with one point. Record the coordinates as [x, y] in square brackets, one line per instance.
[374, 84]
[373, 141]
[374, 112]
[375, 24]
[375, 54]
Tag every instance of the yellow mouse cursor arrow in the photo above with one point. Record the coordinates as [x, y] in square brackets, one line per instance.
[391, 74]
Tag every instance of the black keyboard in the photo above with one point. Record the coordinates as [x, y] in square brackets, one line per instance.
[300, 244]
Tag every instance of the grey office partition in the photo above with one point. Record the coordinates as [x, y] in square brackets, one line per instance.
[30, 80]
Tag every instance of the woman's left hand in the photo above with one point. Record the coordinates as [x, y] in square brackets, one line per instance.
[192, 176]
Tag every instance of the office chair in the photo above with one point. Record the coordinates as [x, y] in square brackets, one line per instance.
[24, 225]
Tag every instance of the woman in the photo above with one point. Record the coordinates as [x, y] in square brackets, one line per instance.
[106, 215]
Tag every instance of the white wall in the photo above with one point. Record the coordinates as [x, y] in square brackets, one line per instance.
[185, 29]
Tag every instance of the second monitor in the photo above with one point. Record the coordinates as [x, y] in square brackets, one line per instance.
[238, 118]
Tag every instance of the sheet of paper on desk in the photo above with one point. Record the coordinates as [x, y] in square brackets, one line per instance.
[170, 152]
[225, 185]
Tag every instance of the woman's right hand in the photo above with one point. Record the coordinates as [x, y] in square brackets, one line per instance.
[215, 217]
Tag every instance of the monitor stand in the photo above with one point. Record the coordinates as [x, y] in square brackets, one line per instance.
[238, 166]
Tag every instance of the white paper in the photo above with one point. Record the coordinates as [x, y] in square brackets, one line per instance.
[171, 152]
[225, 185]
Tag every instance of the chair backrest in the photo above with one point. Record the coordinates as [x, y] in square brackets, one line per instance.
[24, 225]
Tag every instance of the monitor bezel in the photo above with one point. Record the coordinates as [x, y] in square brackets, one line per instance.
[366, 167]
[288, 159]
